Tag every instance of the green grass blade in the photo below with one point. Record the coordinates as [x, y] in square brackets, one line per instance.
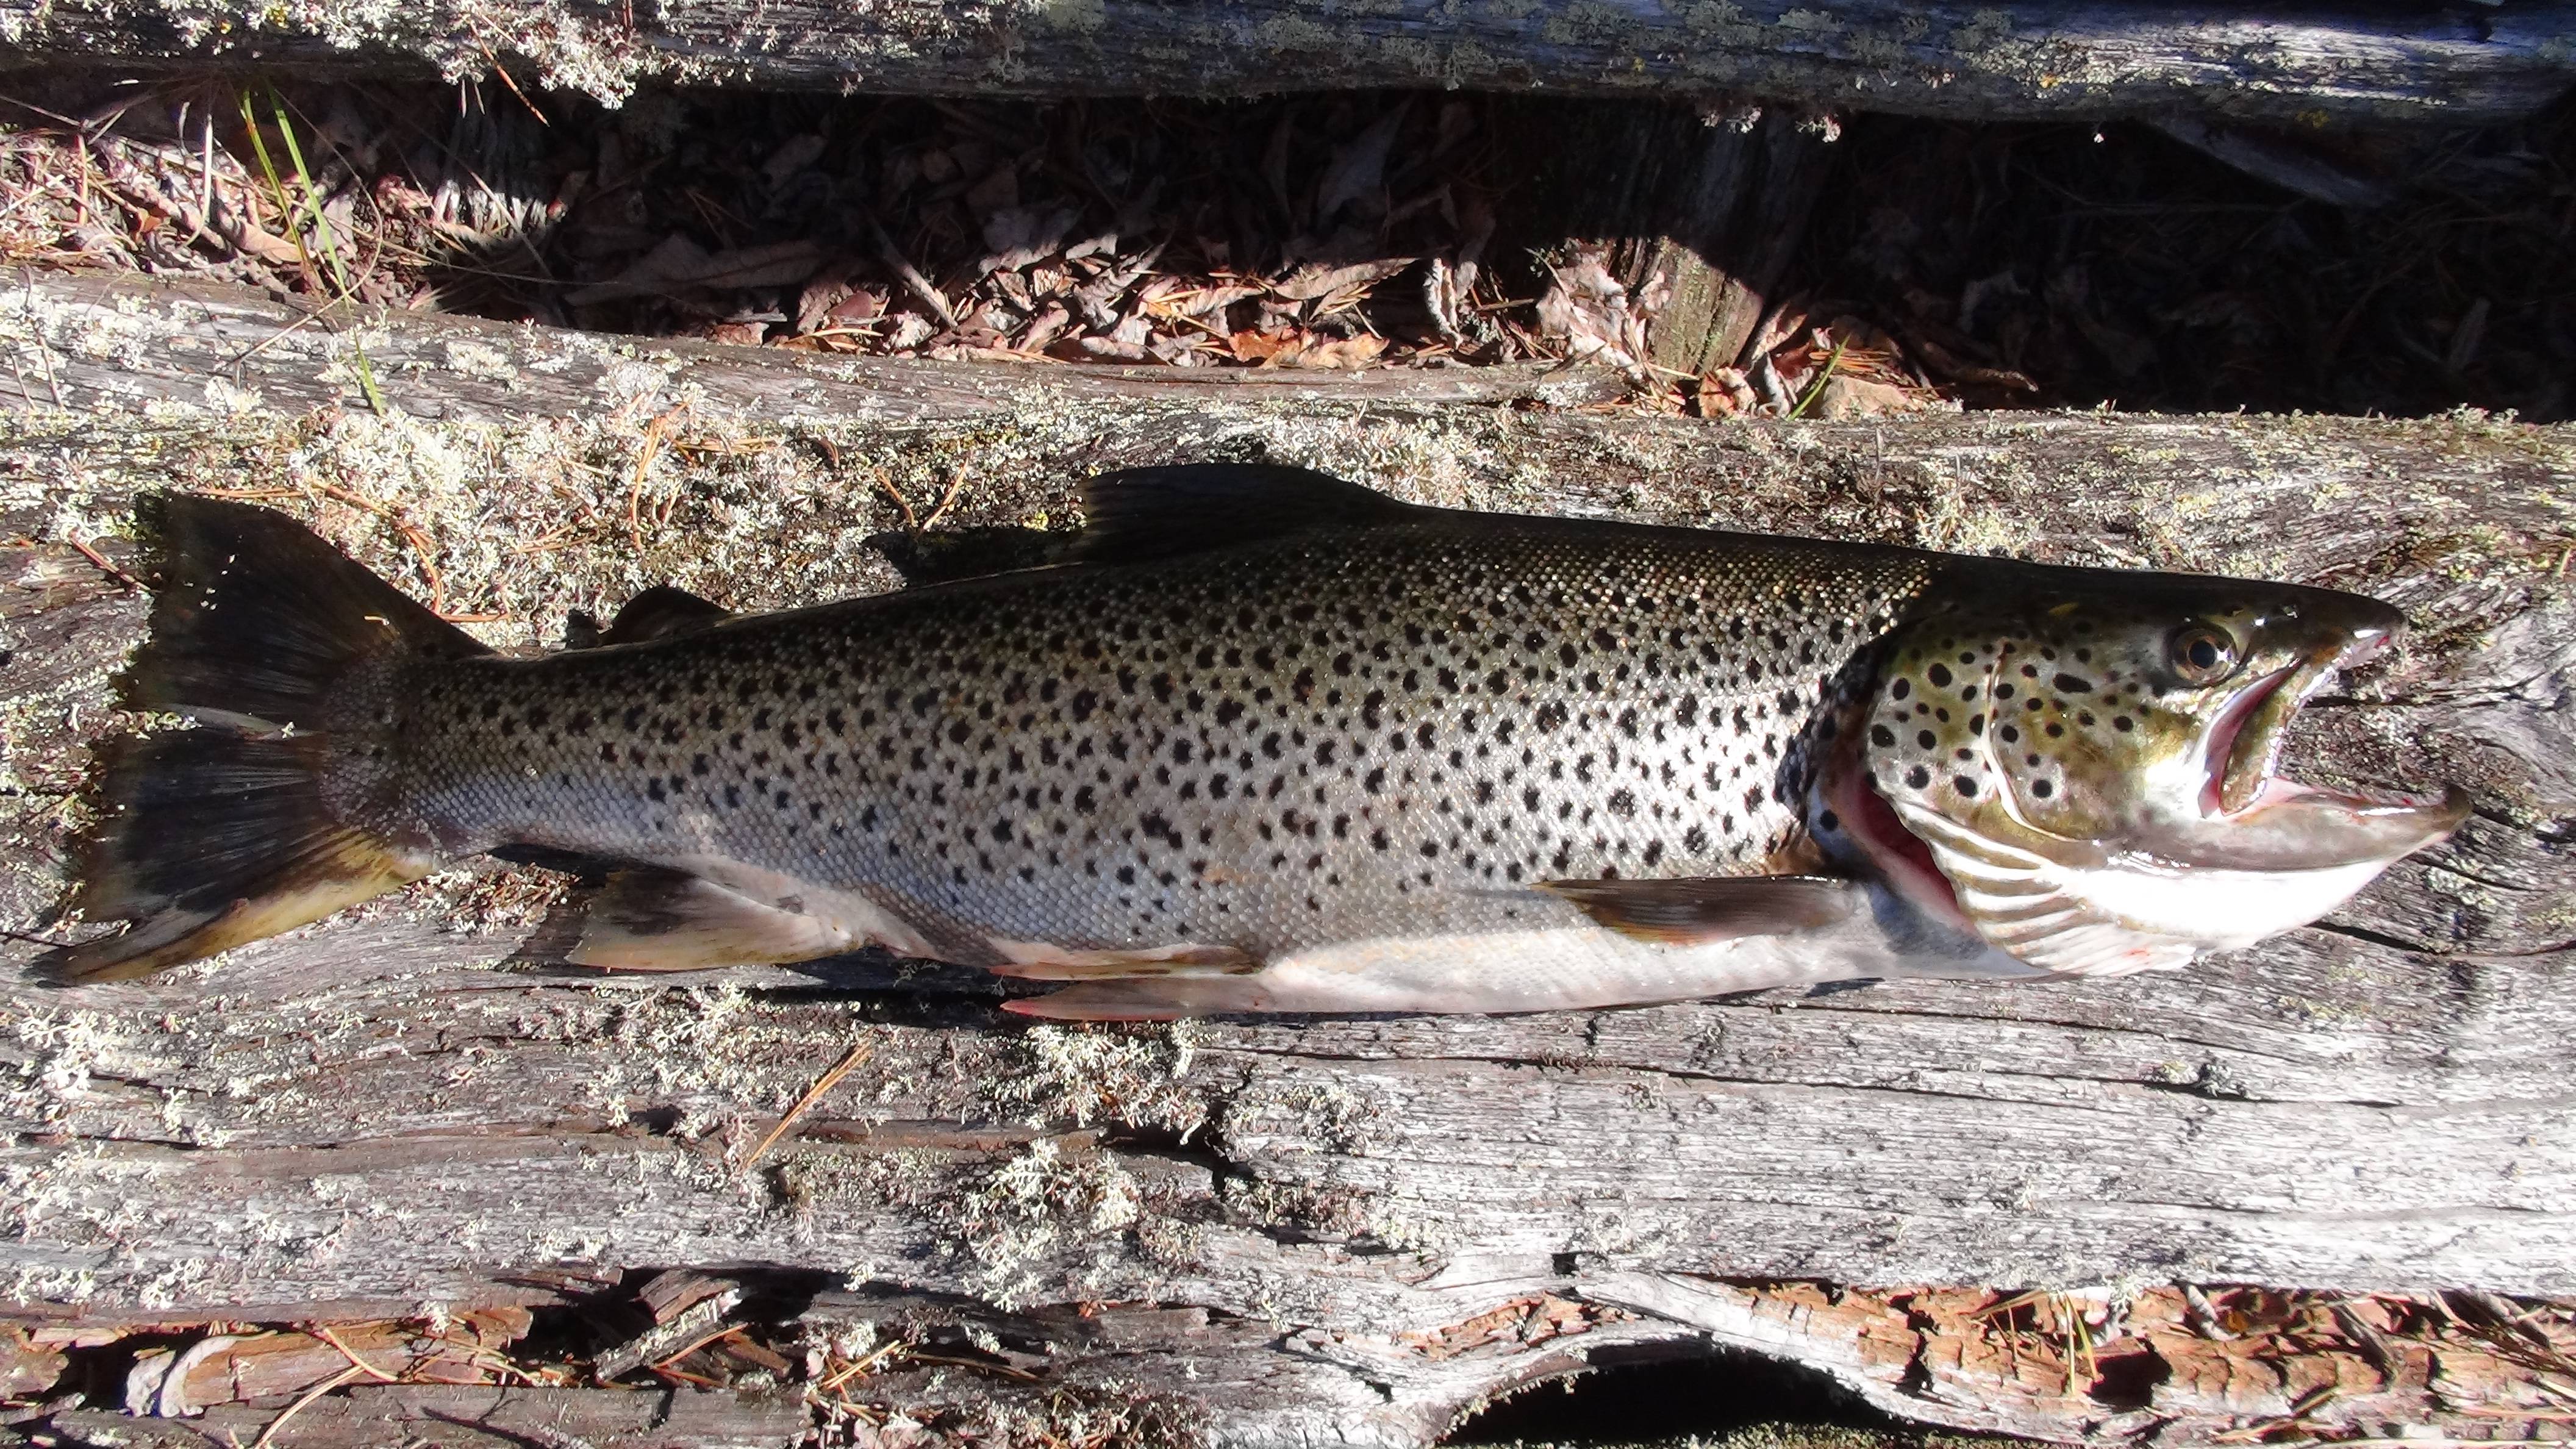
[337, 273]
[1816, 389]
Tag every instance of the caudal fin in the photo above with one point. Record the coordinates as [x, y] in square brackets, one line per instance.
[212, 836]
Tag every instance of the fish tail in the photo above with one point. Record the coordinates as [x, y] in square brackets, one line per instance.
[209, 837]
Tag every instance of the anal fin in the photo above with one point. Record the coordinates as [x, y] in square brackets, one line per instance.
[1695, 911]
[649, 919]
[1167, 998]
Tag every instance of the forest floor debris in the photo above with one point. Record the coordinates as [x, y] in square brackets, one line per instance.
[2218, 1364]
[1984, 266]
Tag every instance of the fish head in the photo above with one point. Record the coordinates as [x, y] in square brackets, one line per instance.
[2084, 769]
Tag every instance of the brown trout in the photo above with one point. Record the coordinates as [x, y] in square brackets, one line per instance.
[1272, 742]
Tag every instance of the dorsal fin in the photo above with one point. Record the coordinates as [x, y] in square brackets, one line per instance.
[1137, 514]
[659, 612]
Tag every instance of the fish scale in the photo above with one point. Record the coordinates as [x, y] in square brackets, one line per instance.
[1267, 747]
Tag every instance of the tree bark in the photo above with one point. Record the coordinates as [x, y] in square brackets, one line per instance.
[1345, 1229]
[2019, 58]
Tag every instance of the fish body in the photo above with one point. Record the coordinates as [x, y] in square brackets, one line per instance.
[1277, 743]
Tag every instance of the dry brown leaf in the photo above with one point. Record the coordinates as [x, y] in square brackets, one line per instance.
[1590, 314]
[827, 289]
[1020, 235]
[1350, 353]
[864, 305]
[1045, 328]
[1317, 279]
[25, 1369]
[1262, 346]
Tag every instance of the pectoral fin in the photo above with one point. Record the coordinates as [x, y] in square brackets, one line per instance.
[662, 920]
[1695, 911]
[1039, 961]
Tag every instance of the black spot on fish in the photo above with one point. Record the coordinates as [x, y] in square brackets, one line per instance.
[1900, 689]
[2072, 684]
[1939, 674]
[1882, 736]
[2123, 723]
[1925, 739]
[2042, 788]
[1918, 777]
[1965, 786]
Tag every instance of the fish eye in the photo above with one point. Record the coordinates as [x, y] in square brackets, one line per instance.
[2201, 653]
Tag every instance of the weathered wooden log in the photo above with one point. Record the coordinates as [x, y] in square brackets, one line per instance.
[2016, 58]
[1345, 1229]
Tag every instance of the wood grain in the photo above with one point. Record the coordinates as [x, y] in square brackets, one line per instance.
[2018, 58]
[379, 1114]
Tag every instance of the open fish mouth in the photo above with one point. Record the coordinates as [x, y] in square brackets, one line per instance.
[2243, 755]
[2252, 817]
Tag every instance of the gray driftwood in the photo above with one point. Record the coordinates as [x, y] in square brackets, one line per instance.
[2015, 58]
[1303, 1231]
